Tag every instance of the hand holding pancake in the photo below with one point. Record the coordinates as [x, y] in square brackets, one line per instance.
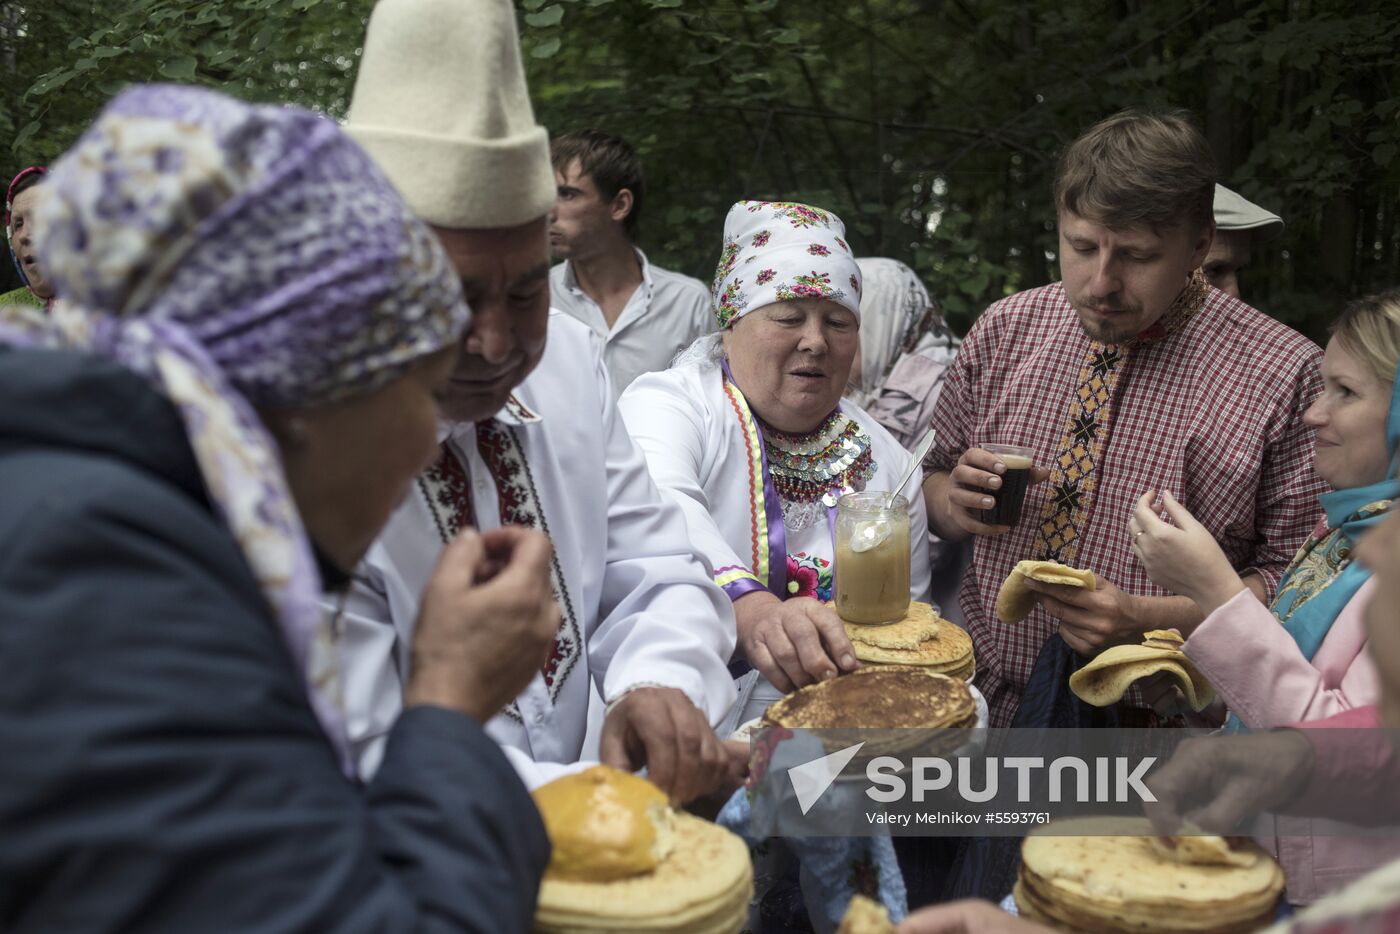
[1183, 556]
[1214, 783]
[661, 729]
[1090, 620]
[487, 619]
[793, 643]
[977, 473]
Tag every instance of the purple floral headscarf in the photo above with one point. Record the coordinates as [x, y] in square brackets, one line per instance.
[240, 255]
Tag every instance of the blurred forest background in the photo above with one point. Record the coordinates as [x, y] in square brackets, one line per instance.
[930, 126]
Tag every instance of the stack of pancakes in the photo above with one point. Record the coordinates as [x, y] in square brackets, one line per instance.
[906, 702]
[922, 639]
[622, 860]
[1109, 884]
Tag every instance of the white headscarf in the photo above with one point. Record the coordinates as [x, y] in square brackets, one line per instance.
[779, 251]
[893, 308]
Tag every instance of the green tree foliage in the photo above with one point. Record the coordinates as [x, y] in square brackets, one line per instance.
[63, 59]
[931, 126]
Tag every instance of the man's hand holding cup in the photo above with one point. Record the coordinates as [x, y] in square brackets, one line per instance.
[988, 486]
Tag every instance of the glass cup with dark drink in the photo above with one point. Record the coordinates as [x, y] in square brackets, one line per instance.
[1006, 508]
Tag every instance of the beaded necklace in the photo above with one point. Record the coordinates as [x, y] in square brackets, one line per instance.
[810, 471]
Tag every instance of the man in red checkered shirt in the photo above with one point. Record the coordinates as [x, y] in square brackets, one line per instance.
[1130, 374]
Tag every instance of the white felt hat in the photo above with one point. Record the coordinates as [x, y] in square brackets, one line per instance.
[441, 104]
[1234, 212]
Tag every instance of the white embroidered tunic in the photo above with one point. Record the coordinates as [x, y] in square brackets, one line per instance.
[638, 604]
[703, 448]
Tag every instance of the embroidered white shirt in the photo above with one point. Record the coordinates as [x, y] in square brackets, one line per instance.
[666, 313]
[639, 604]
[697, 453]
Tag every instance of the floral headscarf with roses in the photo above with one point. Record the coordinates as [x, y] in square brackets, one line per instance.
[238, 256]
[777, 251]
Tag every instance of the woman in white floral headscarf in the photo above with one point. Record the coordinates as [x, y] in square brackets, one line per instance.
[749, 434]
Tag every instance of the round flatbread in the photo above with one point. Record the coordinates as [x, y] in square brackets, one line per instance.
[876, 699]
[920, 624]
[1015, 600]
[1094, 882]
[949, 649]
[703, 887]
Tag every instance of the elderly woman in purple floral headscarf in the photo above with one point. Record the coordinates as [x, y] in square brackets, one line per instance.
[230, 395]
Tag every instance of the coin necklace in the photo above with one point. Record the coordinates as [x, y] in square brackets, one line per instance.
[811, 471]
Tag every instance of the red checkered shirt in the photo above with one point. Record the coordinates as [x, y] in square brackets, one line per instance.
[1212, 413]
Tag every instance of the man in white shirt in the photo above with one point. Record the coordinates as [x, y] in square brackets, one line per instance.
[643, 314]
[531, 437]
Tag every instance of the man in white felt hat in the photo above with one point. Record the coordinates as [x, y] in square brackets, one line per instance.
[530, 436]
[1239, 225]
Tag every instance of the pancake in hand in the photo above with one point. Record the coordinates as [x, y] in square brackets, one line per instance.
[1015, 600]
[1104, 680]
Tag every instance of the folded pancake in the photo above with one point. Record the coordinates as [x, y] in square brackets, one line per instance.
[1015, 600]
[1207, 850]
[1104, 680]
[1088, 882]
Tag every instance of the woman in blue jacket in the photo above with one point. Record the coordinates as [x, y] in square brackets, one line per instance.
[231, 394]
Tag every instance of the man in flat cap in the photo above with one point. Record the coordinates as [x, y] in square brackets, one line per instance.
[1239, 225]
[530, 435]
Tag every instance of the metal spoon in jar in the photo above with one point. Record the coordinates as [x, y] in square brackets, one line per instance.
[873, 534]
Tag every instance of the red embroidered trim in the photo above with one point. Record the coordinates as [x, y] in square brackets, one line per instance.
[520, 505]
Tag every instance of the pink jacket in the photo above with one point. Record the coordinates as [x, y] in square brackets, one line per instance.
[1256, 668]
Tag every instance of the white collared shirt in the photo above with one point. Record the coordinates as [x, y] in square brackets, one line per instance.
[664, 315]
[642, 605]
